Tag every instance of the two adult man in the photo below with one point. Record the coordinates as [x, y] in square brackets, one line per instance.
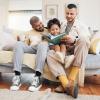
[78, 35]
[30, 45]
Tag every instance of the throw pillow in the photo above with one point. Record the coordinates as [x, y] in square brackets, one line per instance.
[95, 44]
[7, 41]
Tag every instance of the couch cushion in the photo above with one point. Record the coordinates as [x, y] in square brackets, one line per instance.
[6, 57]
[90, 72]
[7, 41]
[9, 37]
[95, 46]
[93, 61]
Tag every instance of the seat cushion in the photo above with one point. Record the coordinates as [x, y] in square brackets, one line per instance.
[93, 61]
[6, 57]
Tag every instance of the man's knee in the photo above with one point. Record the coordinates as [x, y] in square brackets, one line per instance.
[18, 44]
[82, 41]
[43, 45]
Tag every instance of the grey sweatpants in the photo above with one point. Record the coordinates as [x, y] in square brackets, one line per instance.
[80, 53]
[21, 48]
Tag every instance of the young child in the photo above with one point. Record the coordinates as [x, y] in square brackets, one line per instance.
[60, 50]
[53, 26]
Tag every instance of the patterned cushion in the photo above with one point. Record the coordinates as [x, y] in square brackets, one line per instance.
[95, 44]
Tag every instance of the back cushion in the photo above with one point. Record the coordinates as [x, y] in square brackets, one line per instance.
[7, 41]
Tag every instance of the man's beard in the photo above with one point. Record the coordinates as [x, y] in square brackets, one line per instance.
[40, 29]
[70, 20]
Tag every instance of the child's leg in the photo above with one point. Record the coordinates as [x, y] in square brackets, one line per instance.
[57, 48]
[63, 49]
[56, 51]
[60, 56]
[60, 52]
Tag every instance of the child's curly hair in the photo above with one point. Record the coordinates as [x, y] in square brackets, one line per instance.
[52, 22]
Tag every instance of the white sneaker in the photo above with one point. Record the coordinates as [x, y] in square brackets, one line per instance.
[16, 83]
[68, 60]
[36, 84]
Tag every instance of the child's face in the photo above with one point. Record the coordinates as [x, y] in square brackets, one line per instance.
[55, 29]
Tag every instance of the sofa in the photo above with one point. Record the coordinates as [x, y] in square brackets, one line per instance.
[6, 66]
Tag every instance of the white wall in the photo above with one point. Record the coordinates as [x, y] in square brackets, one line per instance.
[90, 13]
[25, 5]
[59, 3]
[3, 13]
[61, 8]
[89, 9]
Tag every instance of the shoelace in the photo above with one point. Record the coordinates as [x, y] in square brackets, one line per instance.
[35, 81]
[16, 81]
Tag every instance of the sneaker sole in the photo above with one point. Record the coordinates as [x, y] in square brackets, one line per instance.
[15, 89]
[35, 89]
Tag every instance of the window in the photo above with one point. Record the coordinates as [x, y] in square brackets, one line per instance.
[20, 12]
[19, 19]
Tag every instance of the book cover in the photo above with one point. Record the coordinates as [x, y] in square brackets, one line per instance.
[55, 40]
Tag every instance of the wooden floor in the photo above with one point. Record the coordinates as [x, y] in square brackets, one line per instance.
[90, 87]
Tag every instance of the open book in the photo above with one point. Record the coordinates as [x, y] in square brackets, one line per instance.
[55, 40]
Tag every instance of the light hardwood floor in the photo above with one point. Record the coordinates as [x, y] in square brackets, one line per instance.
[89, 88]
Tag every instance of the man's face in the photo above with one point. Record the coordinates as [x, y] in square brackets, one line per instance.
[38, 26]
[71, 14]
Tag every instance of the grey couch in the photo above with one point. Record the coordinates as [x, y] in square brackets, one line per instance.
[92, 63]
[6, 66]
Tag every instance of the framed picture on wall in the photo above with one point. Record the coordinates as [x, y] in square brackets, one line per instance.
[51, 11]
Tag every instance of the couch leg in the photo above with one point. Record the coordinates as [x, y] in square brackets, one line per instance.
[0, 75]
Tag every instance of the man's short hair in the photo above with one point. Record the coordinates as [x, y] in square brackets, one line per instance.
[70, 6]
[33, 20]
